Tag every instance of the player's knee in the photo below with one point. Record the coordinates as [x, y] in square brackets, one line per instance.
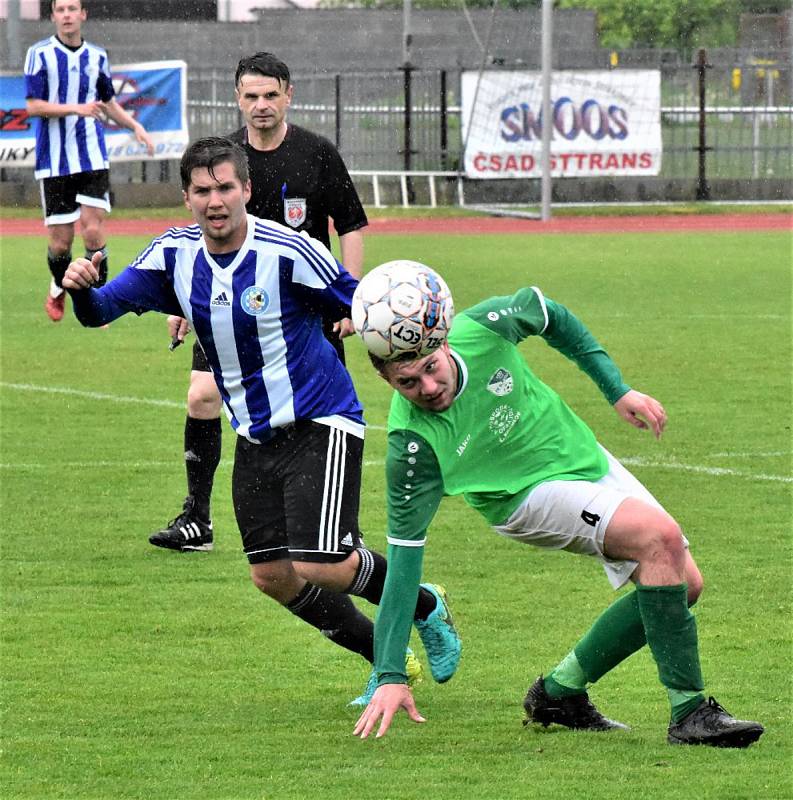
[93, 236]
[59, 246]
[663, 540]
[203, 400]
[272, 585]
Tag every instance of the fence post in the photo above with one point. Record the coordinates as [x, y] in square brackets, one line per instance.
[407, 151]
[703, 188]
[444, 124]
[337, 82]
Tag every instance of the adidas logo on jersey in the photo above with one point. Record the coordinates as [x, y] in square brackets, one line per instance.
[347, 540]
[221, 300]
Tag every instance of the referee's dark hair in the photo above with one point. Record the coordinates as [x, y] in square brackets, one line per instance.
[208, 153]
[265, 64]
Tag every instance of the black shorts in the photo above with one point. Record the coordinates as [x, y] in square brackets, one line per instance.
[296, 496]
[62, 196]
[200, 363]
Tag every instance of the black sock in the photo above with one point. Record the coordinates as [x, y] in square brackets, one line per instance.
[58, 265]
[370, 578]
[89, 254]
[336, 617]
[202, 444]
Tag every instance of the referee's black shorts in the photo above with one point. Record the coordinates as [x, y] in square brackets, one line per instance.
[296, 496]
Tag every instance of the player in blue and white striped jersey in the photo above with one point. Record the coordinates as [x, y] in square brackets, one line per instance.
[69, 88]
[254, 292]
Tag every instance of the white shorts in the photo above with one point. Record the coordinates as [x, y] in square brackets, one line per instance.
[574, 516]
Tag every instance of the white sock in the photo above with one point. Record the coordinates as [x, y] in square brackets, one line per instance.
[55, 290]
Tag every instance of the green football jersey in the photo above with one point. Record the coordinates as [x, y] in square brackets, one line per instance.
[505, 433]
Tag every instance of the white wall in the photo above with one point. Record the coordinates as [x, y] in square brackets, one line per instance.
[28, 9]
[243, 10]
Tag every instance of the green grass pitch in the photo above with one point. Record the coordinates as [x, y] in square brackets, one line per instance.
[130, 672]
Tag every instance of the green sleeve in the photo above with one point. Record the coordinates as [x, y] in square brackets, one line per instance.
[529, 313]
[395, 613]
[415, 490]
[415, 486]
[566, 333]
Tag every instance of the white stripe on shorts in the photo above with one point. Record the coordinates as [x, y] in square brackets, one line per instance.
[332, 494]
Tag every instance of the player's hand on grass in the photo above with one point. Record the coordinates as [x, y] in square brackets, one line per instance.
[642, 411]
[178, 328]
[385, 703]
[82, 273]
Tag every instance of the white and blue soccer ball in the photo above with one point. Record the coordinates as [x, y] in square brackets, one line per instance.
[401, 310]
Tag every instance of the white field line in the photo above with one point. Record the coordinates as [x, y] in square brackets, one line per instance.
[629, 461]
[632, 461]
[127, 465]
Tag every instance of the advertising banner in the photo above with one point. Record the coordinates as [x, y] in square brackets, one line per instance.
[155, 93]
[605, 123]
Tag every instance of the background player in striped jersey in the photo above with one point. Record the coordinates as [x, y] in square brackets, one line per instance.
[300, 180]
[68, 86]
[251, 290]
[472, 419]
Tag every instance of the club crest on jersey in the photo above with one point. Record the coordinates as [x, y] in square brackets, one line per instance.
[502, 421]
[295, 211]
[254, 301]
[500, 383]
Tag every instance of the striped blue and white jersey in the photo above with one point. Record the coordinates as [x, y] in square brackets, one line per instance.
[57, 74]
[257, 315]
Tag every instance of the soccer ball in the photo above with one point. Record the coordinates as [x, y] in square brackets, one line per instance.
[402, 310]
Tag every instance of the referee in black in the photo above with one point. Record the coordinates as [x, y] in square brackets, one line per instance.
[298, 179]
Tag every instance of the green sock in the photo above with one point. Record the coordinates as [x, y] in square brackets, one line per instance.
[672, 635]
[567, 678]
[616, 634]
[683, 703]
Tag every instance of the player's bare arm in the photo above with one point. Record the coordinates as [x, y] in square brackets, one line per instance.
[385, 703]
[43, 108]
[126, 120]
[642, 411]
[351, 245]
[82, 273]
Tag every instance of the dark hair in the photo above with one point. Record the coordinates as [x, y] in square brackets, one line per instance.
[378, 363]
[265, 64]
[209, 152]
[81, 2]
[381, 364]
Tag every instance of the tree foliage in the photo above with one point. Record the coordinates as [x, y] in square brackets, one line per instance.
[678, 24]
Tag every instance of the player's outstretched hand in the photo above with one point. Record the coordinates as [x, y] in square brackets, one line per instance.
[642, 411]
[387, 700]
[82, 273]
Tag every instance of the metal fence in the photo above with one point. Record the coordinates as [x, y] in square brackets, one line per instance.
[748, 116]
[397, 120]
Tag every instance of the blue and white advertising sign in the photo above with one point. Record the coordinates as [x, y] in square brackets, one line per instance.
[603, 123]
[154, 93]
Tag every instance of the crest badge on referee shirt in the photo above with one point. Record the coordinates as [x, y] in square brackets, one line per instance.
[295, 211]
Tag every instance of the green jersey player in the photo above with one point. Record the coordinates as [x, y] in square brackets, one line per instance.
[472, 419]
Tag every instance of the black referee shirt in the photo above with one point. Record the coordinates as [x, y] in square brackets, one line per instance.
[301, 184]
